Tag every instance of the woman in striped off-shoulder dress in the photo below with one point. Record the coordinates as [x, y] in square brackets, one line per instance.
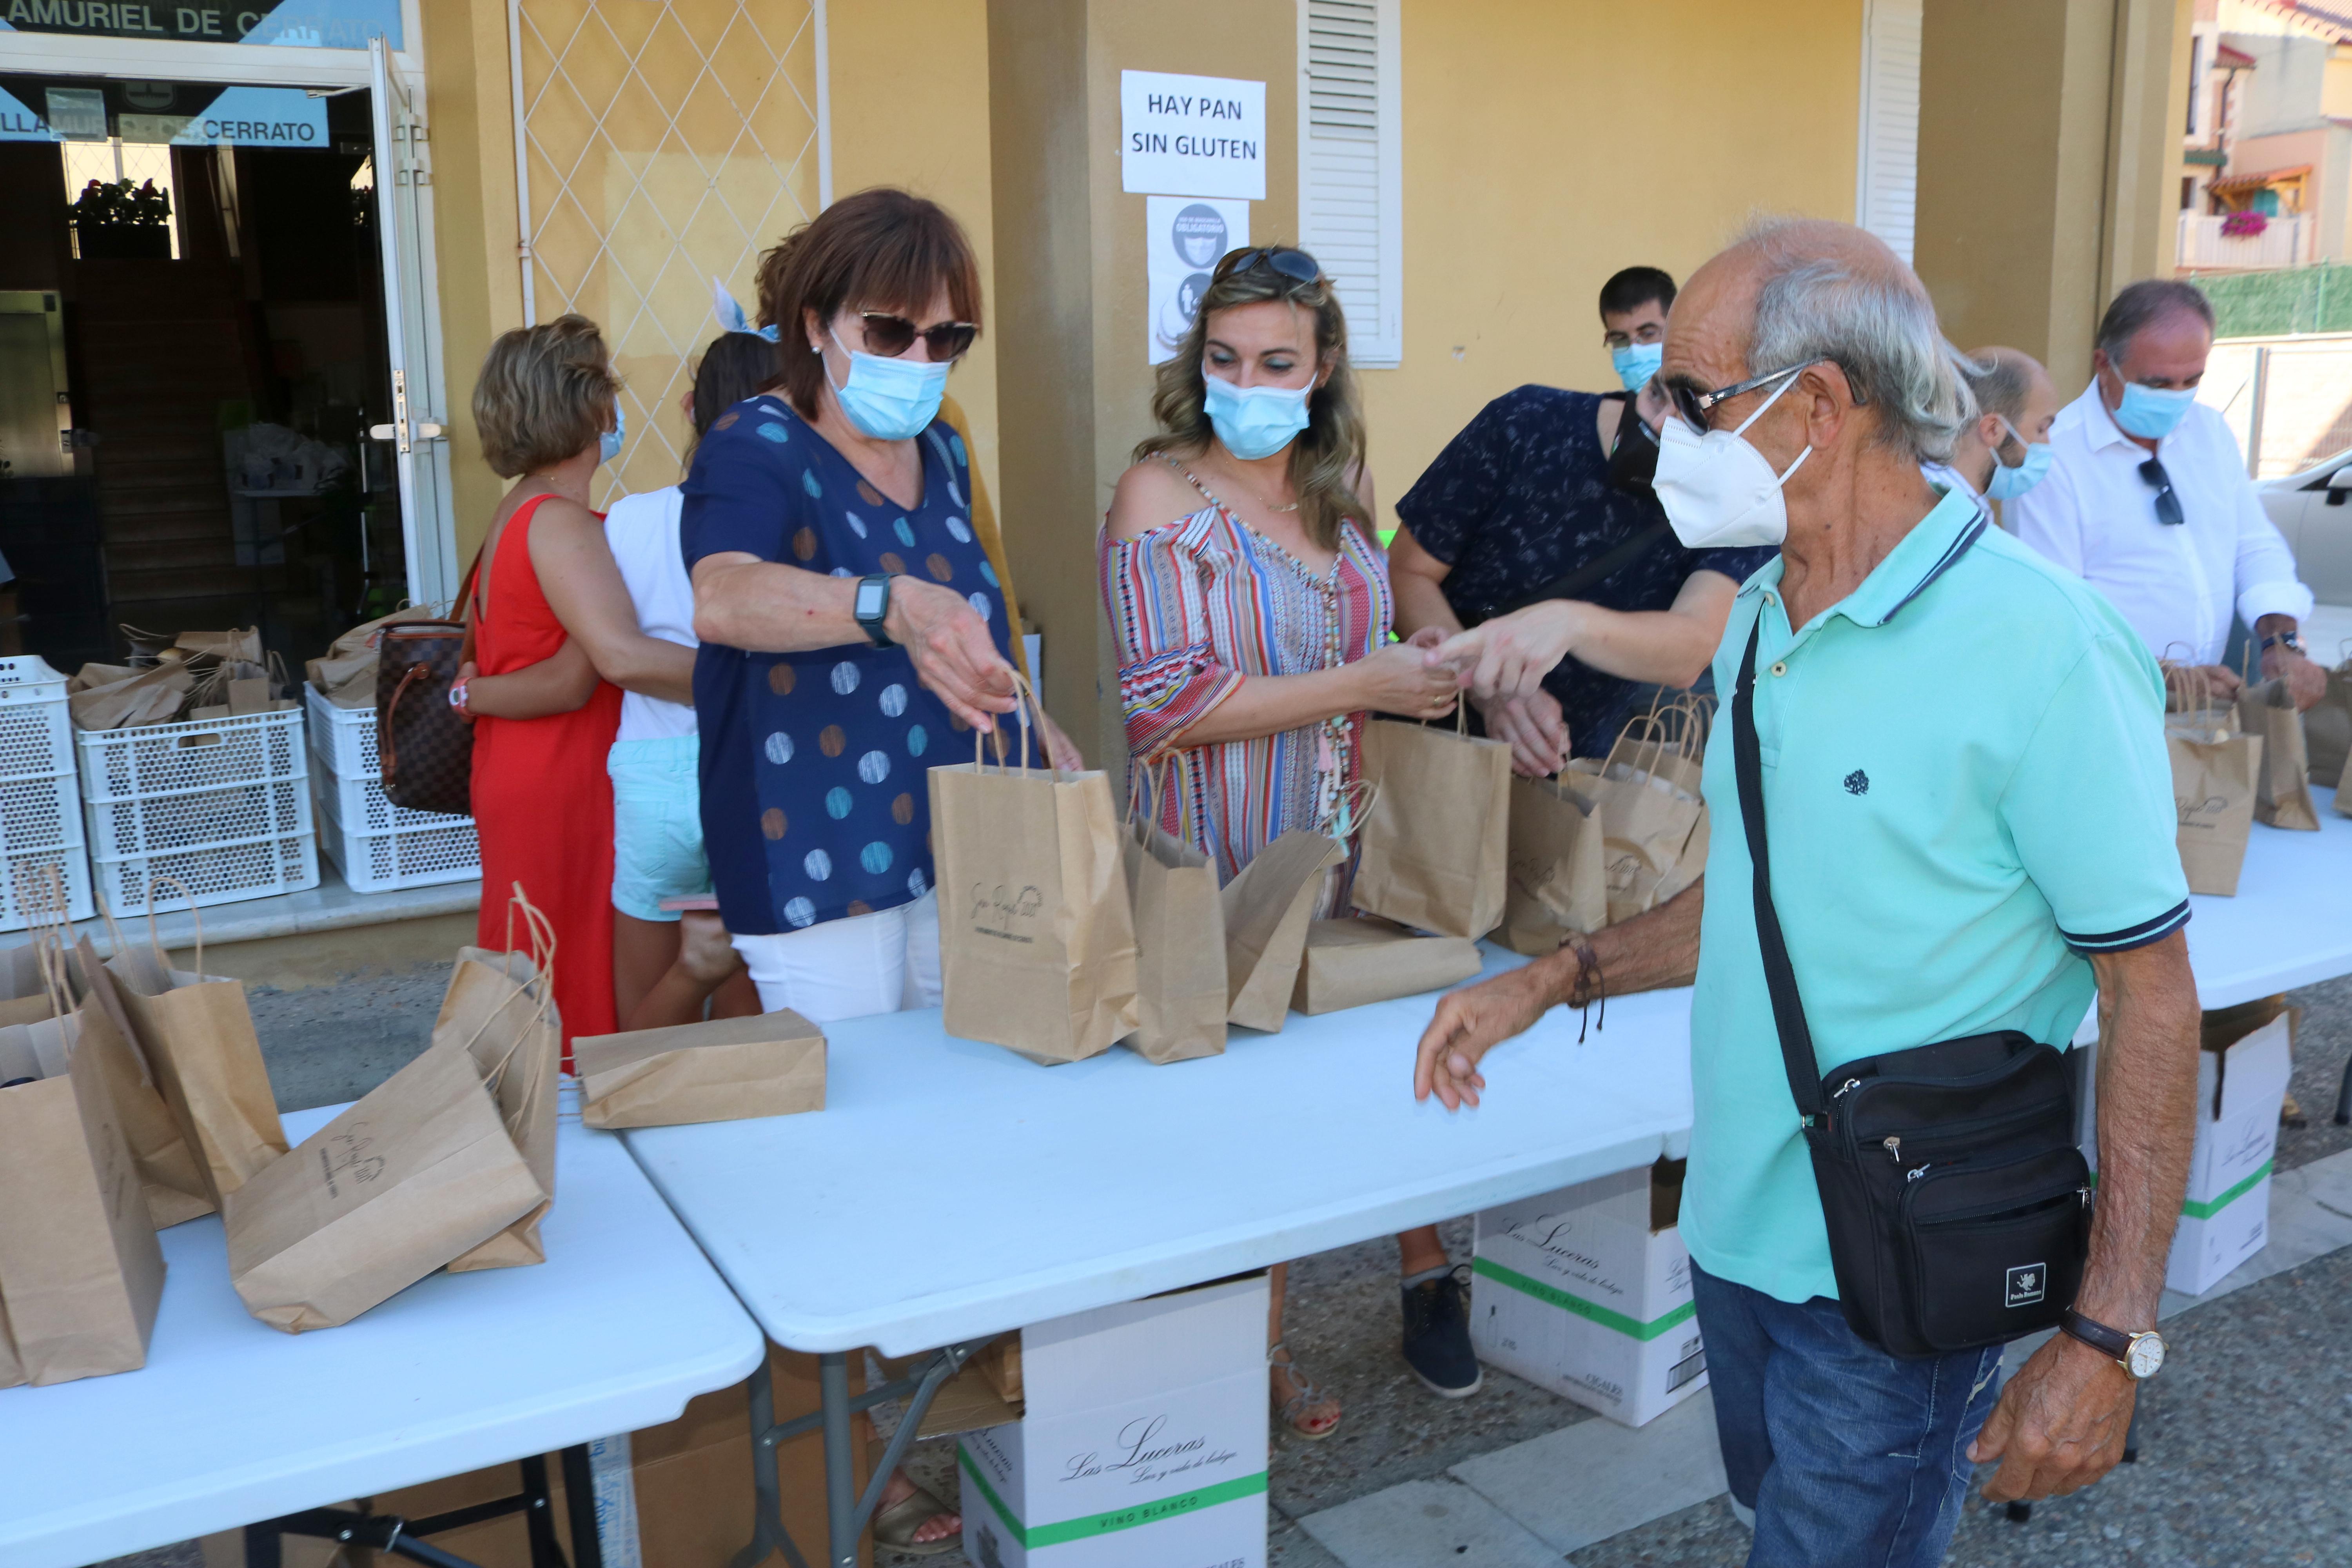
[1250, 604]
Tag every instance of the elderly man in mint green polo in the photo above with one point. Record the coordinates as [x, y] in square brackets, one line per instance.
[1971, 820]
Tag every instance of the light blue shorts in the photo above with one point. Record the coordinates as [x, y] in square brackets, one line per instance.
[656, 825]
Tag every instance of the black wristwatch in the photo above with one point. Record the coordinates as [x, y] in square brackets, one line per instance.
[872, 607]
[2142, 1355]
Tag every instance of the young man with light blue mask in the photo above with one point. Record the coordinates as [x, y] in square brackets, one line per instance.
[2006, 451]
[1634, 306]
[2148, 499]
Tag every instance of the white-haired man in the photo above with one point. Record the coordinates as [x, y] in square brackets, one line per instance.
[1958, 750]
[2149, 501]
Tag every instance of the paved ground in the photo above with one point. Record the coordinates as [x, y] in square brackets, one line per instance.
[2247, 1441]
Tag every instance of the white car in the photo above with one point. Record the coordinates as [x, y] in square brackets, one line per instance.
[2314, 510]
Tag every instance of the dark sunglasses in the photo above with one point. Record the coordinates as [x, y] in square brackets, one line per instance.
[891, 336]
[1692, 404]
[2168, 505]
[1294, 265]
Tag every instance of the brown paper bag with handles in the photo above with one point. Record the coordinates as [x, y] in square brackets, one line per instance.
[2328, 728]
[1180, 937]
[1435, 853]
[1267, 907]
[1653, 818]
[726, 1069]
[420, 1171]
[1559, 876]
[2283, 787]
[80, 1272]
[500, 1010]
[1356, 962]
[196, 1035]
[2216, 771]
[161, 1149]
[1037, 938]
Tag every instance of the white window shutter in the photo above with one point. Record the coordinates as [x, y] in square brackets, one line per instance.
[1887, 175]
[1350, 166]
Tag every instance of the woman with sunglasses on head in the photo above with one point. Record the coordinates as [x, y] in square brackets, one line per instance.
[1250, 602]
[853, 627]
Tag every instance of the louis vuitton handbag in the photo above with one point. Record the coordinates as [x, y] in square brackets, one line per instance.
[425, 747]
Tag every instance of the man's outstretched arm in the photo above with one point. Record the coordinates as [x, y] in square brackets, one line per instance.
[1650, 951]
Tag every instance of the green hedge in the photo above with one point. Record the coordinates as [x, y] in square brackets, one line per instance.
[2265, 304]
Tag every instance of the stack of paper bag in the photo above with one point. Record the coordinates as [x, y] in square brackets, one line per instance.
[727, 1070]
[1353, 962]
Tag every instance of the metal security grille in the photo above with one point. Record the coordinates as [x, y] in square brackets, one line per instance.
[663, 144]
[1347, 178]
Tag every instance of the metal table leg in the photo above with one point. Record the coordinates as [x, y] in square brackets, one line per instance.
[392, 1535]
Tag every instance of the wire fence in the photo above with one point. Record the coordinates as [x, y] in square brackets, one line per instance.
[2288, 399]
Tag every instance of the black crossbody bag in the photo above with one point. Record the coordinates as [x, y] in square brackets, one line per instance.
[1958, 1204]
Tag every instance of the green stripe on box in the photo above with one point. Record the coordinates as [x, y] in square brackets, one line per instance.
[2207, 1210]
[1617, 1322]
[1117, 1518]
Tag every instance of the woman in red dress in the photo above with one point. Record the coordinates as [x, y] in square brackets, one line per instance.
[549, 610]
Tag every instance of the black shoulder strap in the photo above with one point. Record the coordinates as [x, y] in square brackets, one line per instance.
[1780, 979]
[1606, 564]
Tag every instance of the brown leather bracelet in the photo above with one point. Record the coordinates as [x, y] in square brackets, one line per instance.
[1591, 987]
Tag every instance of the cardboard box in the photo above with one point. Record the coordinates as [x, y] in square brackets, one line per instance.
[2225, 1217]
[1143, 1444]
[690, 1489]
[1587, 1292]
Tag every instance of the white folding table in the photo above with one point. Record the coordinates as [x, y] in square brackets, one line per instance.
[2290, 923]
[1102, 1181]
[232, 1422]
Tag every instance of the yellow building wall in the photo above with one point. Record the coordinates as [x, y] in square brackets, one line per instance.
[1546, 145]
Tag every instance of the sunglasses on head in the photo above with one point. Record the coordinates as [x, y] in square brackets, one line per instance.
[891, 336]
[2167, 504]
[1294, 265]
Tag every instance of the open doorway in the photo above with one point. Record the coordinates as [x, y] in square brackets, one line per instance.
[199, 267]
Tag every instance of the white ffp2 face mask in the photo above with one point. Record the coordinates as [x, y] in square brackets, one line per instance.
[1720, 492]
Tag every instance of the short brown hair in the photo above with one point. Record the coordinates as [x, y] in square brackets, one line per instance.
[544, 393]
[881, 250]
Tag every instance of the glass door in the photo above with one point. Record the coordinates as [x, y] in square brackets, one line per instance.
[418, 434]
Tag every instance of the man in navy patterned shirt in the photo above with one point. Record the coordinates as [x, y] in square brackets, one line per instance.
[1535, 528]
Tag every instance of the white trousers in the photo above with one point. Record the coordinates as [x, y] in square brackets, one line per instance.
[847, 968]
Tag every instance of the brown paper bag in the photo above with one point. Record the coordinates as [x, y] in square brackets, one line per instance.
[1267, 908]
[2283, 790]
[1653, 820]
[345, 675]
[196, 1035]
[31, 975]
[2328, 728]
[1559, 877]
[80, 1272]
[1180, 940]
[1435, 853]
[1352, 962]
[2215, 770]
[1037, 939]
[419, 1172]
[161, 1149]
[152, 696]
[500, 1009]
[727, 1070]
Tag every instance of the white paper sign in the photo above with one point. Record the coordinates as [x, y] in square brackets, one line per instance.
[1191, 135]
[1184, 237]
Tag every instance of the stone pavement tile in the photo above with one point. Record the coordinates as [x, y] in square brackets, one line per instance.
[1421, 1524]
[1596, 1480]
[1290, 1546]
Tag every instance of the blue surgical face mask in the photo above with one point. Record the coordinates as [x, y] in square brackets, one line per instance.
[2007, 483]
[1256, 423]
[889, 399]
[2150, 412]
[1637, 362]
[608, 445]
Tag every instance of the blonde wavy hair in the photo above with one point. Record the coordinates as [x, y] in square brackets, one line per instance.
[1330, 453]
[544, 393]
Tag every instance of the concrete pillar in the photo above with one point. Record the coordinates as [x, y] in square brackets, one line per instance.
[2049, 146]
[1073, 388]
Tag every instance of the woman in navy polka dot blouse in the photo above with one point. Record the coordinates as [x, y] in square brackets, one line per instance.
[842, 483]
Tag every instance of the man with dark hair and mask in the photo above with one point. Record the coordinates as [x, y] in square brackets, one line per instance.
[1535, 528]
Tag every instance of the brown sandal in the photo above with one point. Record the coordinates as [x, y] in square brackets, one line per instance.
[1293, 1412]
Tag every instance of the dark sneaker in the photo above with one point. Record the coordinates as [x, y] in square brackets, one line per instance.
[1437, 1335]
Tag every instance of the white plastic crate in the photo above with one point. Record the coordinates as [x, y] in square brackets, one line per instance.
[40, 826]
[343, 738]
[221, 804]
[379, 846]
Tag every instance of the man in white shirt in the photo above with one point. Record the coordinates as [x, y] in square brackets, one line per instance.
[2149, 501]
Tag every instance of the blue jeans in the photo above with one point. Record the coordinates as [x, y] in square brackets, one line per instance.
[1850, 1458]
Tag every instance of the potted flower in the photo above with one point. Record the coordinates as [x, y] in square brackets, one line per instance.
[2248, 224]
[117, 221]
